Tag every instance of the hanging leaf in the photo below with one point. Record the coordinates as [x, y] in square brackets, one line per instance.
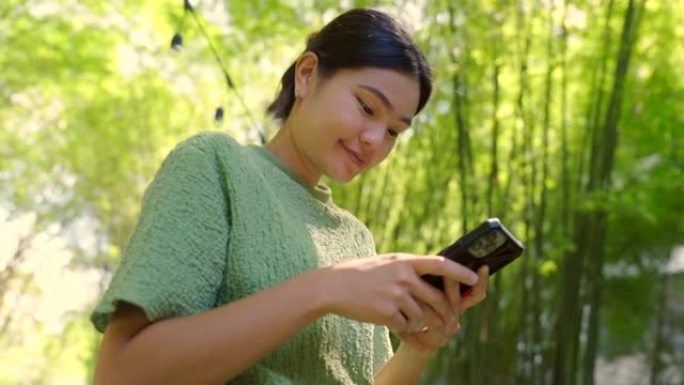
[229, 81]
[218, 115]
[177, 41]
[187, 6]
[262, 137]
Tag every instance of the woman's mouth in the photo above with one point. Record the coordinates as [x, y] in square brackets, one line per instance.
[355, 157]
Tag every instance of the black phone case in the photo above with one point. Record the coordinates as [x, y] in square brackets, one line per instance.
[458, 251]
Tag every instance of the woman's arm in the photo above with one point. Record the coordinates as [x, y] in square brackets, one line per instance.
[404, 368]
[209, 347]
[214, 346]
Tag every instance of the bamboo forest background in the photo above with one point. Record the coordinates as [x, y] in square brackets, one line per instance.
[563, 118]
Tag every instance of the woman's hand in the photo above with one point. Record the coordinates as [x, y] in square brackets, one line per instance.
[388, 290]
[437, 334]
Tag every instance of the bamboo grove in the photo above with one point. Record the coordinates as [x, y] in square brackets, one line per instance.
[562, 118]
[529, 132]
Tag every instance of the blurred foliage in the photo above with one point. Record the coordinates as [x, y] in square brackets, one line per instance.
[92, 98]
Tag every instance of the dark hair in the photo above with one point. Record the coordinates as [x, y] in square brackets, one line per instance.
[355, 39]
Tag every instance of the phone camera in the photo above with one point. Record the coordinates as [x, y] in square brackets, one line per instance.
[487, 244]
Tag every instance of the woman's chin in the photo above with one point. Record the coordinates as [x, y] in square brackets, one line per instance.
[342, 176]
[341, 179]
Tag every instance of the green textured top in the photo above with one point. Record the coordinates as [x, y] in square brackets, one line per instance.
[221, 221]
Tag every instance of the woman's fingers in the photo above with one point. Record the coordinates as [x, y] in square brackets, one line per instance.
[436, 324]
[452, 291]
[443, 267]
[442, 303]
[398, 323]
[479, 291]
[435, 335]
[434, 298]
[414, 314]
[445, 304]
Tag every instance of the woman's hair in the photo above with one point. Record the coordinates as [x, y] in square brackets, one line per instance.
[355, 39]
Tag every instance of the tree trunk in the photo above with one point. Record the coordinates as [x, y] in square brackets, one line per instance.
[591, 230]
[460, 100]
[605, 170]
[568, 317]
[658, 345]
[523, 361]
[540, 217]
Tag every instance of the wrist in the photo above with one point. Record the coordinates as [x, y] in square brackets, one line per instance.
[414, 354]
[333, 295]
[318, 295]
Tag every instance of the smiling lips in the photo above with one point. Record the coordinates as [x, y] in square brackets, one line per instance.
[356, 157]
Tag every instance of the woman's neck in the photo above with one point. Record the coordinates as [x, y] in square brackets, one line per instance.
[284, 147]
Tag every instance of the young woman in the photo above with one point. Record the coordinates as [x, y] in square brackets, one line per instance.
[242, 270]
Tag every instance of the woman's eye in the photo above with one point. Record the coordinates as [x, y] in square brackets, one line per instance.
[365, 107]
[392, 133]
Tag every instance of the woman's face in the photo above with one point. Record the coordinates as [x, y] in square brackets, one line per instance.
[348, 123]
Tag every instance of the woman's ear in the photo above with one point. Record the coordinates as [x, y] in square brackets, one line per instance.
[305, 74]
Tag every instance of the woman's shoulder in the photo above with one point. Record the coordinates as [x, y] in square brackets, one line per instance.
[204, 153]
[209, 146]
[209, 140]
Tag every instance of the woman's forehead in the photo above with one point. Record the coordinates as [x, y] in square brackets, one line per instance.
[397, 88]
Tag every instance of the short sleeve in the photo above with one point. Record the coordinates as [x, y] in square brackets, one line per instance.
[382, 347]
[174, 262]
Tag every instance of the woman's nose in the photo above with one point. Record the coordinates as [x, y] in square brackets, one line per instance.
[372, 135]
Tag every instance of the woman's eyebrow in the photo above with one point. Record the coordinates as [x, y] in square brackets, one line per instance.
[383, 98]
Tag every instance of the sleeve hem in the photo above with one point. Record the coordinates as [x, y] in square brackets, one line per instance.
[104, 312]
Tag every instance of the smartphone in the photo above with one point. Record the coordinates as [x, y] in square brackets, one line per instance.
[489, 244]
